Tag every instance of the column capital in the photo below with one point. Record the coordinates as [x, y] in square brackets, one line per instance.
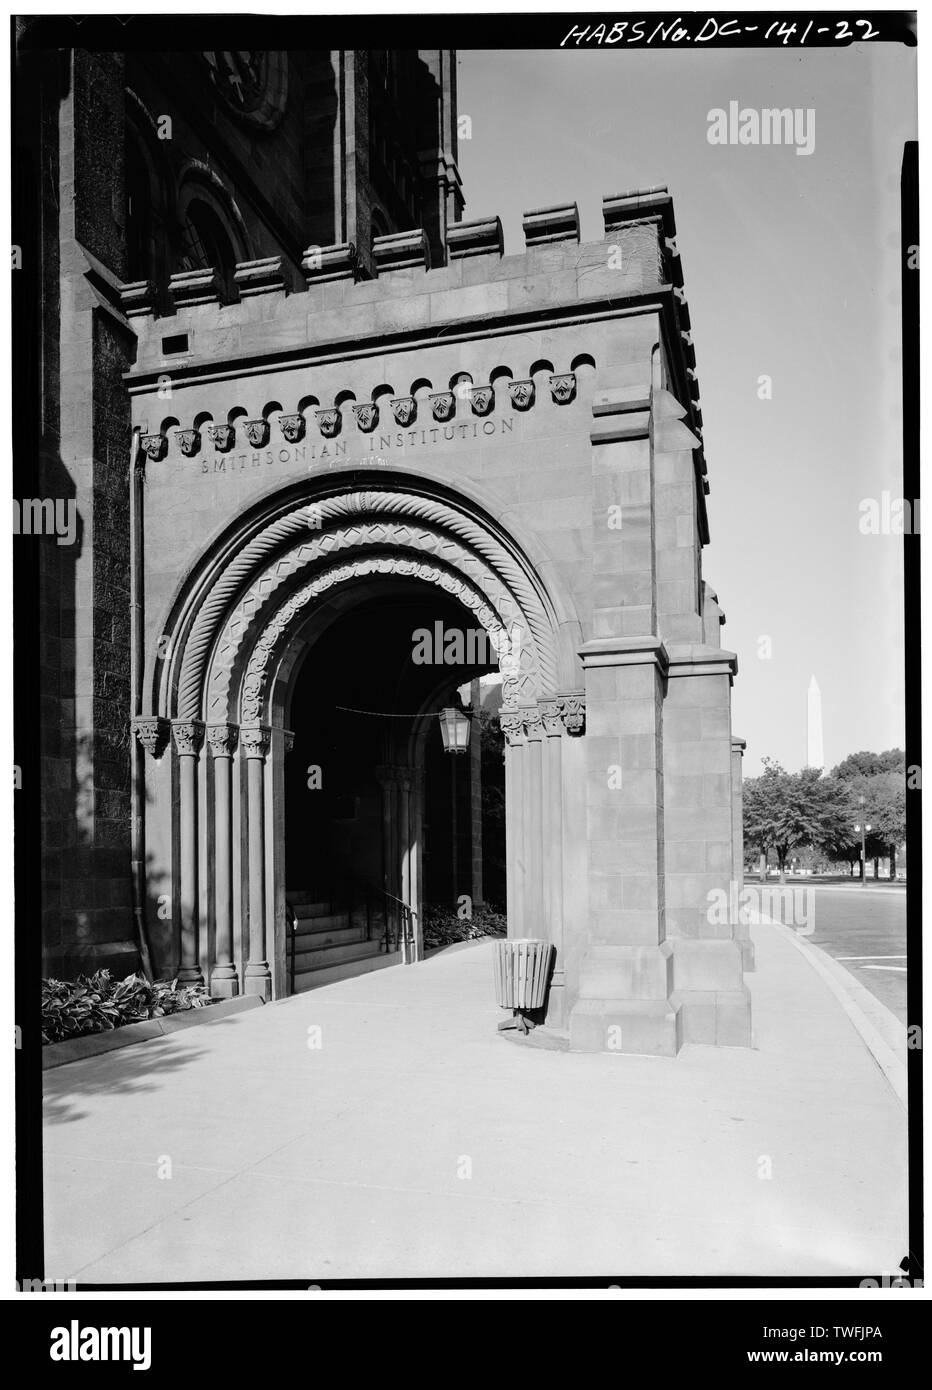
[533, 725]
[152, 733]
[254, 741]
[511, 722]
[188, 735]
[551, 717]
[573, 713]
[222, 739]
[288, 735]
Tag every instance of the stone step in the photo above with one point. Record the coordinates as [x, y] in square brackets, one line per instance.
[324, 956]
[329, 921]
[310, 936]
[346, 970]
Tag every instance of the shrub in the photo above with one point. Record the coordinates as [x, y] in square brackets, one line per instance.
[95, 1004]
[442, 926]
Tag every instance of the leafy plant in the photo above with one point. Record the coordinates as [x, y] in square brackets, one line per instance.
[444, 927]
[96, 1004]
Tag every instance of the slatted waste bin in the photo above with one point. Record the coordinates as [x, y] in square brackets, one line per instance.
[522, 972]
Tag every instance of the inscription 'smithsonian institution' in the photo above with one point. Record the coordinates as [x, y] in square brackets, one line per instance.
[342, 416]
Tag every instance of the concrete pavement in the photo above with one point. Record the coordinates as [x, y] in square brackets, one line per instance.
[407, 1139]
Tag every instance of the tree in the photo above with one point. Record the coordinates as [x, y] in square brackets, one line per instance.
[880, 778]
[785, 811]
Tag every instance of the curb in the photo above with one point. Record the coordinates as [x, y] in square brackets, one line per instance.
[880, 1030]
[93, 1044]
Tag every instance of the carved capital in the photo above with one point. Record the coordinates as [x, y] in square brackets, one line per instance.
[512, 726]
[443, 405]
[221, 437]
[292, 427]
[153, 446]
[573, 713]
[289, 740]
[189, 441]
[257, 432]
[328, 422]
[550, 716]
[188, 735]
[222, 739]
[563, 387]
[404, 409]
[255, 741]
[533, 725]
[153, 735]
[482, 399]
[522, 394]
[367, 416]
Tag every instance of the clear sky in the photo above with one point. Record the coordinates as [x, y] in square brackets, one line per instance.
[791, 266]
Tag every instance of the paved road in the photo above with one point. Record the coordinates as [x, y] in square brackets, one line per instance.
[865, 929]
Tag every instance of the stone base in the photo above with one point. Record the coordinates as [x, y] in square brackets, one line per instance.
[648, 1027]
[719, 1017]
[223, 987]
[260, 985]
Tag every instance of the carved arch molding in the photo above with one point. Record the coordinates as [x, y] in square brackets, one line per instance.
[242, 605]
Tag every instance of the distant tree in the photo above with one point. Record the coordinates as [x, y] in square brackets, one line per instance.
[787, 811]
[869, 764]
[881, 779]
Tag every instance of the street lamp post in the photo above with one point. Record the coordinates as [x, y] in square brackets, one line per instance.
[863, 828]
[455, 729]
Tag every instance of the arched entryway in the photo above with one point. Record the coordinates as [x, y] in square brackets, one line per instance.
[315, 601]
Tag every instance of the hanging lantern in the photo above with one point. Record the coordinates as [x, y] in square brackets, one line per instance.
[454, 726]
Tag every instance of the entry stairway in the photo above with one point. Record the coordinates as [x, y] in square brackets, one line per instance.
[331, 940]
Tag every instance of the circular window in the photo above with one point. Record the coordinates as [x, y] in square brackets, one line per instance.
[253, 85]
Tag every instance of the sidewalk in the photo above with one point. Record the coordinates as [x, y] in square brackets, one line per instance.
[415, 1141]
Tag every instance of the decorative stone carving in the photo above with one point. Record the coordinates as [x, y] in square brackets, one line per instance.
[153, 735]
[256, 677]
[404, 409]
[153, 446]
[289, 740]
[573, 713]
[222, 739]
[257, 432]
[481, 398]
[443, 405]
[189, 441]
[550, 716]
[367, 416]
[188, 735]
[328, 422]
[255, 742]
[222, 619]
[512, 726]
[533, 724]
[563, 387]
[292, 427]
[522, 394]
[222, 437]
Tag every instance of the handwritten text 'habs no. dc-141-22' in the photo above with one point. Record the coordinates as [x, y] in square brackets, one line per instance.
[694, 29]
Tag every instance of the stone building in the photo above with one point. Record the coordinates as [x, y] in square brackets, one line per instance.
[306, 410]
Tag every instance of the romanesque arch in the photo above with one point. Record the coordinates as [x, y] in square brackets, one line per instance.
[229, 633]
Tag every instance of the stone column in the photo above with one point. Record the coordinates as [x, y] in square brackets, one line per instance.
[552, 845]
[255, 744]
[512, 726]
[742, 930]
[223, 977]
[534, 865]
[475, 797]
[188, 735]
[625, 978]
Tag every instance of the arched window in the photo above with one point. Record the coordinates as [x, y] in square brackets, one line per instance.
[206, 244]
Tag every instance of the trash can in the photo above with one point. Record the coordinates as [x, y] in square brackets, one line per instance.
[522, 973]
